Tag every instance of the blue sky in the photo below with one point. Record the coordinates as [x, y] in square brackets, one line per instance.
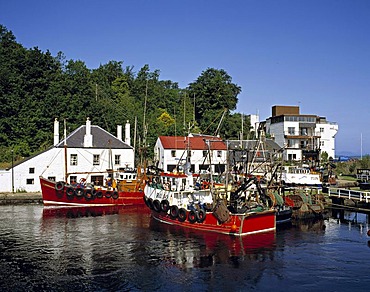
[313, 53]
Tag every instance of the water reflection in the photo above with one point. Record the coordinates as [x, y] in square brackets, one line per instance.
[191, 248]
[77, 212]
[123, 249]
[310, 225]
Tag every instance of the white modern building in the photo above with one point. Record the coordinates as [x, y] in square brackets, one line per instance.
[87, 153]
[303, 137]
[204, 153]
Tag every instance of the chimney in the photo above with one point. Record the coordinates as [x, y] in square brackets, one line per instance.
[127, 134]
[56, 132]
[119, 132]
[88, 138]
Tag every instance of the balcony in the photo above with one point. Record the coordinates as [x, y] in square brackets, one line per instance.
[302, 135]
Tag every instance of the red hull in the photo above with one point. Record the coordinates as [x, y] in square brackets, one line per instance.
[237, 225]
[53, 197]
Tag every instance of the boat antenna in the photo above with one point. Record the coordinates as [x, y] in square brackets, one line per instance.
[145, 100]
[135, 128]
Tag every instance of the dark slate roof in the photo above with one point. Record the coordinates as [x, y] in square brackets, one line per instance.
[248, 150]
[269, 145]
[101, 139]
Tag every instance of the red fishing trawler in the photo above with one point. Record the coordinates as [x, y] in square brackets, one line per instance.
[173, 199]
[121, 188]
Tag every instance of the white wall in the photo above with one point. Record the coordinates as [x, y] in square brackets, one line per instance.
[327, 137]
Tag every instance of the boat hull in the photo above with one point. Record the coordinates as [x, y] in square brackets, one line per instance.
[53, 195]
[237, 225]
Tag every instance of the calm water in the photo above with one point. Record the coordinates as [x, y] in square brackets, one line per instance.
[118, 249]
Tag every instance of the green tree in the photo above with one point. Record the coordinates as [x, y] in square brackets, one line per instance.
[213, 91]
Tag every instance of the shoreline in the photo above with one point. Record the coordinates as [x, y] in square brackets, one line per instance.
[20, 198]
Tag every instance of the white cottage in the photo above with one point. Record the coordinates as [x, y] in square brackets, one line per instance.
[88, 149]
[171, 152]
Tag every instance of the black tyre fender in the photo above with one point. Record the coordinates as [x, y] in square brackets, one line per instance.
[59, 186]
[150, 203]
[174, 211]
[201, 215]
[115, 195]
[108, 194]
[88, 194]
[99, 194]
[70, 192]
[79, 192]
[192, 216]
[165, 205]
[182, 214]
[156, 206]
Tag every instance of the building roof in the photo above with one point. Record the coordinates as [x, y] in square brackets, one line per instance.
[248, 150]
[194, 143]
[269, 145]
[101, 139]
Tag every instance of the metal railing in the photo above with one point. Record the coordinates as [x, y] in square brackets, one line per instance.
[350, 194]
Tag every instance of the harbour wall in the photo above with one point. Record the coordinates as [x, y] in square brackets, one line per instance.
[20, 198]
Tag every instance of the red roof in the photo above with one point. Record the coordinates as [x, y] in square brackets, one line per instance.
[195, 143]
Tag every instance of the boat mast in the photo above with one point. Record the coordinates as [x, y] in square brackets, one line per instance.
[65, 152]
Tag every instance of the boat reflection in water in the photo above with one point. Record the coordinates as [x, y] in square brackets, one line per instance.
[77, 212]
[192, 248]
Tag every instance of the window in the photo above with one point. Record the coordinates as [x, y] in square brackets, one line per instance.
[73, 160]
[219, 153]
[291, 130]
[96, 159]
[31, 170]
[304, 132]
[73, 179]
[51, 178]
[97, 180]
[321, 143]
[321, 130]
[205, 153]
[304, 144]
[173, 153]
[292, 157]
[30, 181]
[117, 159]
[171, 167]
[291, 143]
